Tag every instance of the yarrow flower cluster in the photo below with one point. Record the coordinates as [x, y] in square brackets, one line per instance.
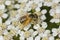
[12, 10]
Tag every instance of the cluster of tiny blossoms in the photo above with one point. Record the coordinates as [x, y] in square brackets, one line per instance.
[12, 10]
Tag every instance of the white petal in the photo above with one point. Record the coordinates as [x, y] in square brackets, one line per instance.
[37, 38]
[1, 38]
[0, 20]
[57, 20]
[2, 6]
[7, 2]
[47, 31]
[44, 24]
[34, 33]
[59, 35]
[43, 17]
[40, 4]
[8, 22]
[36, 26]
[22, 38]
[37, 9]
[54, 34]
[51, 38]
[5, 32]
[57, 10]
[52, 12]
[54, 30]
[17, 6]
[5, 15]
[44, 11]
[52, 20]
[30, 38]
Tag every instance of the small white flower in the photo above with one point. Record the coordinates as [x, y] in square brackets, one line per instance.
[5, 15]
[44, 24]
[7, 2]
[1, 38]
[30, 38]
[2, 6]
[44, 11]
[51, 38]
[37, 38]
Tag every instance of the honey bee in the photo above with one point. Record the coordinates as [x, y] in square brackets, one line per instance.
[29, 18]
